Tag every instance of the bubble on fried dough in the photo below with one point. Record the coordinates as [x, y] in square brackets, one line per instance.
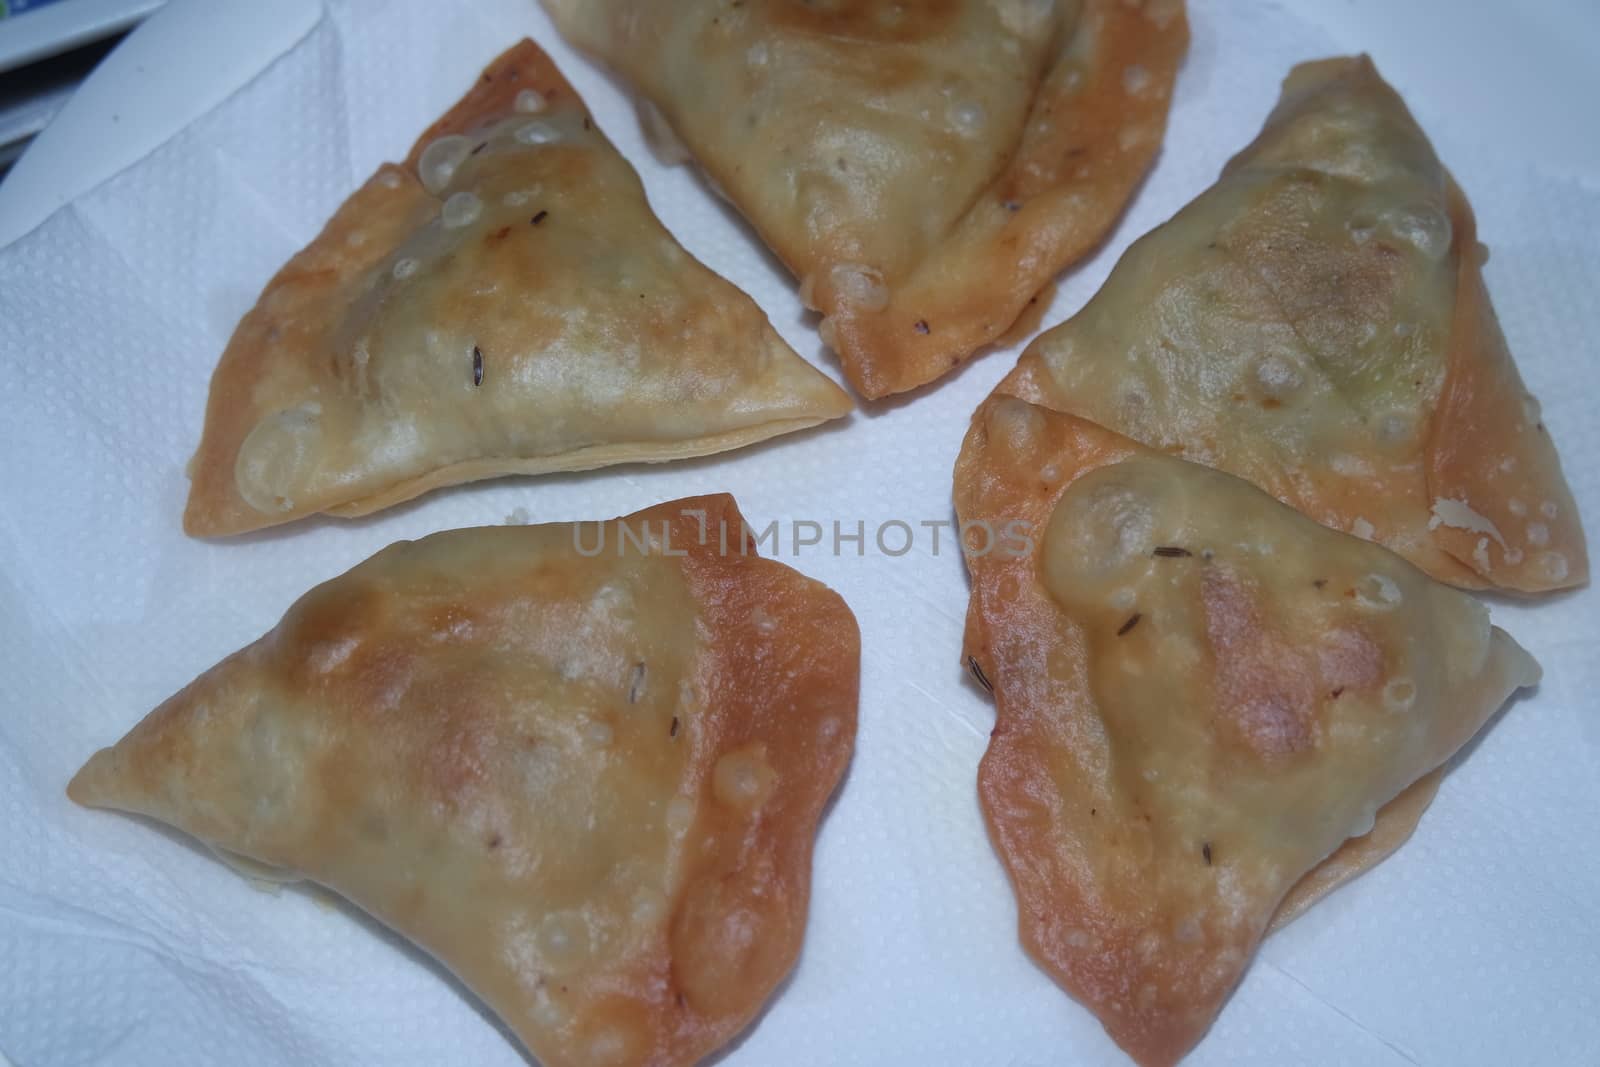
[1378, 592]
[437, 165]
[1422, 226]
[538, 132]
[743, 779]
[859, 286]
[462, 209]
[1400, 694]
[1553, 566]
[278, 456]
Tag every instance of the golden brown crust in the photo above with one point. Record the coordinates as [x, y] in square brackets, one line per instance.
[579, 459]
[587, 782]
[920, 240]
[548, 323]
[1317, 323]
[280, 339]
[763, 868]
[1490, 450]
[1086, 148]
[522, 66]
[1201, 697]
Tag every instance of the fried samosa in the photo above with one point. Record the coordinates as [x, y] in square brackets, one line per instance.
[1317, 324]
[1202, 696]
[924, 168]
[503, 303]
[580, 764]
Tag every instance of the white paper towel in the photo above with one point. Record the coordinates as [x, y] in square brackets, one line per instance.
[121, 943]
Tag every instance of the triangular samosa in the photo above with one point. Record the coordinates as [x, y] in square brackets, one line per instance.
[581, 764]
[1201, 696]
[1317, 323]
[503, 303]
[924, 168]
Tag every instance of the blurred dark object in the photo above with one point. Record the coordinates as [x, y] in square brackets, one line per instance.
[47, 48]
[30, 96]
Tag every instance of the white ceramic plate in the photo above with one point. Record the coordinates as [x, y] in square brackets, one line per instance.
[181, 63]
[36, 34]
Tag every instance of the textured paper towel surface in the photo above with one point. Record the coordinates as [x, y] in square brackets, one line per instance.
[123, 944]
